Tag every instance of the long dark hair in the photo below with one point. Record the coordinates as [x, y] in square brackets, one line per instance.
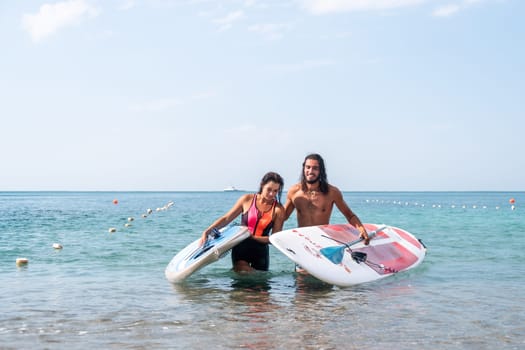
[323, 178]
[273, 176]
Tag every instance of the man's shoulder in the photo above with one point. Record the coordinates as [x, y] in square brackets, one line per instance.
[332, 187]
[294, 188]
[333, 190]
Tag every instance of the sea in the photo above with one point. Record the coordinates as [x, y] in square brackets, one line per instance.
[107, 290]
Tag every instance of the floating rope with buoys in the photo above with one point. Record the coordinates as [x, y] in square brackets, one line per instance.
[144, 215]
[419, 204]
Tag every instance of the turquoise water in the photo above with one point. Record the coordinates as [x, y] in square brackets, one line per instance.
[108, 289]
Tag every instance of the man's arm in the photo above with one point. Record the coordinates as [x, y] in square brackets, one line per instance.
[350, 216]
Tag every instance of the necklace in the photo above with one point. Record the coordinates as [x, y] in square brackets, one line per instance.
[312, 196]
[312, 192]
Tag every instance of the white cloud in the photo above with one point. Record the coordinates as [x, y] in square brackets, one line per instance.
[332, 6]
[320, 7]
[447, 10]
[227, 21]
[52, 17]
[271, 31]
[452, 9]
[127, 5]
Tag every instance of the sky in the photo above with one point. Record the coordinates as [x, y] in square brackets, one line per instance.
[182, 95]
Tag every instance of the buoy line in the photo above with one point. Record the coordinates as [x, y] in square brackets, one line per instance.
[144, 215]
[439, 205]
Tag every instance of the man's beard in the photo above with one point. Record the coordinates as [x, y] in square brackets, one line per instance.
[311, 182]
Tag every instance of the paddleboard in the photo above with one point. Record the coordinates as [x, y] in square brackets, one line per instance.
[391, 250]
[195, 256]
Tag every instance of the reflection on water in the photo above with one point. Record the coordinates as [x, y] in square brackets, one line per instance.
[252, 298]
[255, 311]
[305, 283]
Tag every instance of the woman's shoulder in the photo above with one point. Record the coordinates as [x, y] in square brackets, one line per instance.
[247, 197]
[279, 210]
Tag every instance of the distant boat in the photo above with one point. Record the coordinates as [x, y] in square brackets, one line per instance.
[231, 189]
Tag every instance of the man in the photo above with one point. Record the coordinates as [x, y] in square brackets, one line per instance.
[314, 198]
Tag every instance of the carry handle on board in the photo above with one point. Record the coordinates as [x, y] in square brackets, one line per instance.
[335, 253]
[214, 234]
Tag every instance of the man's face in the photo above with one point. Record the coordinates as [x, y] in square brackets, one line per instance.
[311, 171]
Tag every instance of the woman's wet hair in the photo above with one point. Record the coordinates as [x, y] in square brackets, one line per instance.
[273, 177]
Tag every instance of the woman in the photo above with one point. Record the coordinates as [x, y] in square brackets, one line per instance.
[262, 212]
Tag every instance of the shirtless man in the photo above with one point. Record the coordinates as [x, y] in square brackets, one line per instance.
[314, 198]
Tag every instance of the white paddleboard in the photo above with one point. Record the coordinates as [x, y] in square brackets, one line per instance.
[195, 256]
[391, 250]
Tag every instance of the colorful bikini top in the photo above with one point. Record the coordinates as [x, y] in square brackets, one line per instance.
[259, 223]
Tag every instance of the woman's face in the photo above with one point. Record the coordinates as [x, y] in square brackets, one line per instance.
[270, 190]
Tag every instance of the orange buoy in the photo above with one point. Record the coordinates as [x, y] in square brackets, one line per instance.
[115, 201]
[512, 201]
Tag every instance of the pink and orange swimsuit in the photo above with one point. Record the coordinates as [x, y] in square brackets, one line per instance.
[260, 224]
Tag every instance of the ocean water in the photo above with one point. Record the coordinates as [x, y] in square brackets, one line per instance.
[108, 290]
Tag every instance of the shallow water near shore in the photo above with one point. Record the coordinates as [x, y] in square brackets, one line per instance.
[108, 290]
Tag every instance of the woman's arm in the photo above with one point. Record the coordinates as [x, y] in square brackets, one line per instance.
[224, 220]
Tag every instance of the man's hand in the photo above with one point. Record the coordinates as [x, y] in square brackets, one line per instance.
[364, 236]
